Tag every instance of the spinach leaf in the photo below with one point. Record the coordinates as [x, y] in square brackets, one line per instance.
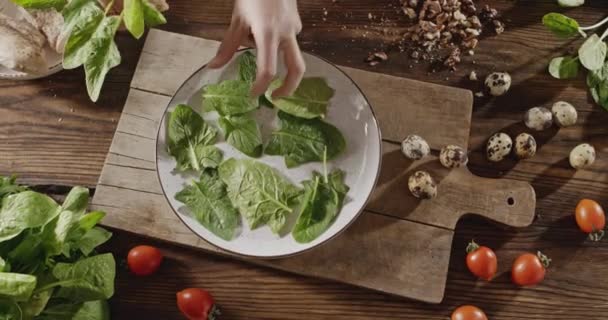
[564, 67]
[229, 97]
[106, 56]
[209, 203]
[247, 67]
[561, 25]
[92, 239]
[570, 3]
[211, 157]
[90, 310]
[140, 13]
[4, 266]
[25, 210]
[17, 286]
[593, 53]
[36, 304]
[10, 310]
[243, 133]
[8, 186]
[304, 140]
[321, 203]
[187, 136]
[76, 201]
[41, 4]
[85, 280]
[260, 193]
[310, 100]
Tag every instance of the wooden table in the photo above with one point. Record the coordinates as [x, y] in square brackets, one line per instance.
[53, 138]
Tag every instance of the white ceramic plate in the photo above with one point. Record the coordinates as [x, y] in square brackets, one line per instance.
[53, 58]
[349, 110]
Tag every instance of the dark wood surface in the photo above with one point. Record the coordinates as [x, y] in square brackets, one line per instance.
[53, 137]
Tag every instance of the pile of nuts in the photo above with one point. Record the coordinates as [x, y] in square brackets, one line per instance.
[441, 26]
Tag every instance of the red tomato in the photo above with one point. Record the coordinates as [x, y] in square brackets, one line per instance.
[590, 218]
[197, 304]
[529, 269]
[468, 312]
[481, 261]
[144, 260]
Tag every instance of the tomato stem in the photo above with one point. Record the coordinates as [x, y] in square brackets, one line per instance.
[214, 313]
[472, 246]
[546, 261]
[596, 235]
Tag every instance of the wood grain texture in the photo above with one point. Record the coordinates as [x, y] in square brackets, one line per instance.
[574, 287]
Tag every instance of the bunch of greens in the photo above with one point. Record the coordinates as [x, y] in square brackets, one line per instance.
[258, 192]
[91, 31]
[591, 55]
[48, 265]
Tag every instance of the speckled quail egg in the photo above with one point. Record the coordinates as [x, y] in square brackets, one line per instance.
[422, 185]
[538, 118]
[582, 156]
[499, 146]
[415, 147]
[498, 83]
[525, 146]
[564, 114]
[453, 156]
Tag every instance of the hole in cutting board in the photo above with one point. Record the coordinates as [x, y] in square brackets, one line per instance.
[510, 201]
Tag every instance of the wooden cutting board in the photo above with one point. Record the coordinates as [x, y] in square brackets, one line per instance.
[399, 245]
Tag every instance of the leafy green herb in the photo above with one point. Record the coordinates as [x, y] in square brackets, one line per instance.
[209, 203]
[25, 210]
[41, 4]
[187, 136]
[85, 280]
[321, 203]
[16, 286]
[561, 25]
[243, 133]
[140, 13]
[211, 157]
[10, 310]
[247, 67]
[36, 304]
[260, 193]
[230, 97]
[304, 140]
[593, 53]
[92, 239]
[90, 310]
[564, 67]
[8, 186]
[310, 100]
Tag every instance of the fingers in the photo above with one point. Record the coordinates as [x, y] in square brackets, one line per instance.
[232, 40]
[295, 68]
[267, 44]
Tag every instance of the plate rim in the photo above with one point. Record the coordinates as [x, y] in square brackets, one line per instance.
[287, 255]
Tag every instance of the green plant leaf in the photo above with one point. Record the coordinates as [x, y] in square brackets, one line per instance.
[310, 100]
[593, 53]
[9, 186]
[106, 56]
[16, 286]
[82, 19]
[87, 279]
[90, 310]
[243, 133]
[260, 193]
[152, 16]
[187, 137]
[25, 210]
[41, 4]
[247, 67]
[36, 304]
[10, 310]
[92, 239]
[564, 67]
[133, 14]
[304, 140]
[76, 201]
[561, 25]
[570, 3]
[229, 97]
[321, 203]
[209, 204]
[211, 157]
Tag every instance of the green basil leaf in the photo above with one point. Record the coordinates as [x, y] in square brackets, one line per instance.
[188, 135]
[209, 204]
[230, 97]
[260, 193]
[243, 133]
[564, 67]
[322, 201]
[25, 210]
[133, 14]
[304, 140]
[152, 16]
[17, 286]
[106, 56]
[570, 3]
[247, 67]
[593, 53]
[561, 25]
[87, 279]
[41, 4]
[310, 99]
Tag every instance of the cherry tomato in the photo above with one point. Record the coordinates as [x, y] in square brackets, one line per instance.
[590, 218]
[529, 269]
[197, 304]
[481, 261]
[144, 260]
[468, 312]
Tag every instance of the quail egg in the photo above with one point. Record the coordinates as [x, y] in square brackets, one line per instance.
[498, 147]
[422, 185]
[415, 147]
[564, 114]
[525, 146]
[453, 156]
[538, 118]
[498, 83]
[582, 156]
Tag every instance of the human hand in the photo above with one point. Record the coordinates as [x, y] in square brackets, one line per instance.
[274, 25]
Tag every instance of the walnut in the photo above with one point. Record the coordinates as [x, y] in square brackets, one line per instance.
[453, 59]
[499, 27]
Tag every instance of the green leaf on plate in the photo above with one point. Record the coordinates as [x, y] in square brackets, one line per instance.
[243, 133]
[570, 3]
[247, 66]
[561, 25]
[593, 53]
[564, 67]
[41, 4]
[310, 99]
[229, 97]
